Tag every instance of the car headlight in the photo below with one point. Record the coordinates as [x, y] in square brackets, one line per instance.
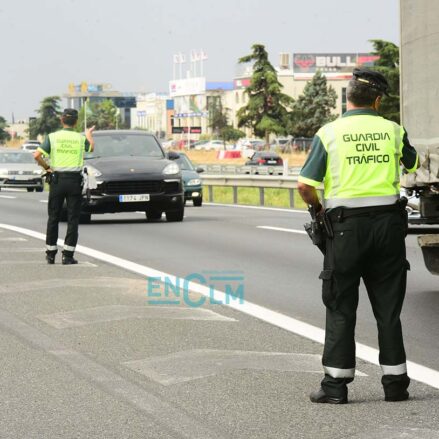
[194, 182]
[4, 172]
[93, 172]
[171, 169]
[37, 172]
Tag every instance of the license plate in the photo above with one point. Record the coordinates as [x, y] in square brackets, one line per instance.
[133, 198]
[271, 162]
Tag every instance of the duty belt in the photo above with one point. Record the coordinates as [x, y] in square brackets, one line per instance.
[340, 213]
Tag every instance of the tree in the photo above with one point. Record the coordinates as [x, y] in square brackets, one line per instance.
[313, 108]
[217, 115]
[219, 121]
[48, 119]
[4, 135]
[266, 111]
[388, 65]
[103, 115]
[231, 134]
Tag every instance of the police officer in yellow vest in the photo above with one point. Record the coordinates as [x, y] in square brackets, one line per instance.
[358, 159]
[66, 151]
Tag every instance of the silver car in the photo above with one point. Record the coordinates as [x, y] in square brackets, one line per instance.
[18, 169]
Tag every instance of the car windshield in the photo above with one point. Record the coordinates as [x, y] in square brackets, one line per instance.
[17, 157]
[123, 144]
[184, 163]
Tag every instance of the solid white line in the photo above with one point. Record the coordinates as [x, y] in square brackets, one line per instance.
[44, 201]
[416, 371]
[239, 206]
[280, 229]
[7, 196]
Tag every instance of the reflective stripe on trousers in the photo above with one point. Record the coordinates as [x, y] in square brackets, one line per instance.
[399, 369]
[334, 372]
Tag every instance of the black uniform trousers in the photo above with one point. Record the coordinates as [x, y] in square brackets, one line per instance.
[65, 186]
[370, 246]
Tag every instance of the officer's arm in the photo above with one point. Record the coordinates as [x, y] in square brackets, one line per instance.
[89, 137]
[409, 156]
[43, 150]
[309, 195]
[313, 173]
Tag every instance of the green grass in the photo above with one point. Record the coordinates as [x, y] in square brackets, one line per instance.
[250, 196]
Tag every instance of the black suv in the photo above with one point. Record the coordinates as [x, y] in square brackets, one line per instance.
[128, 171]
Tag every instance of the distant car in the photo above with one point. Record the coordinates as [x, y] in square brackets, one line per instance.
[128, 171]
[18, 169]
[30, 145]
[265, 158]
[253, 144]
[193, 188]
[215, 145]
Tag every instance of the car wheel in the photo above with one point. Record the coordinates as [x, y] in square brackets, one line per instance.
[175, 215]
[30, 189]
[40, 189]
[85, 218]
[153, 215]
[198, 201]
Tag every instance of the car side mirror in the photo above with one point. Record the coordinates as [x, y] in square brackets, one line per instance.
[172, 155]
[199, 170]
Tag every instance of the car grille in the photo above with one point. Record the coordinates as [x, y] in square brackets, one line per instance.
[172, 187]
[20, 173]
[132, 187]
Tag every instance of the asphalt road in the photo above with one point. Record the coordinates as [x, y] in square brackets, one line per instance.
[280, 268]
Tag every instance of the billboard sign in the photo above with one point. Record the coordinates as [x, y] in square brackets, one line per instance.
[187, 87]
[332, 65]
[185, 130]
[194, 105]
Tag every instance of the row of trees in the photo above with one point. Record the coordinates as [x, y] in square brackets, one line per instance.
[270, 111]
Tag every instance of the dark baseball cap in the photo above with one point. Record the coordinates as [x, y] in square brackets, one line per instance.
[70, 112]
[371, 78]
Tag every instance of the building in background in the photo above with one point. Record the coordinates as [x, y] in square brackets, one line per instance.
[79, 94]
[193, 97]
[151, 114]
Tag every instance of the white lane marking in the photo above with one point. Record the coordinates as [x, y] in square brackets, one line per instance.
[280, 229]
[13, 239]
[239, 206]
[9, 197]
[113, 313]
[44, 201]
[181, 367]
[416, 371]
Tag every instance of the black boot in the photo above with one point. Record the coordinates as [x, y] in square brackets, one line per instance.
[68, 259]
[50, 257]
[403, 396]
[321, 397]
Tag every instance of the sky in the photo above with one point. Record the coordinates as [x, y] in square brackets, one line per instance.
[47, 44]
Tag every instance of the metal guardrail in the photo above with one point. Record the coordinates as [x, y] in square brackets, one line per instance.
[248, 170]
[254, 181]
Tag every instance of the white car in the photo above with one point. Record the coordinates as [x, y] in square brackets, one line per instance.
[18, 169]
[30, 145]
[214, 145]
